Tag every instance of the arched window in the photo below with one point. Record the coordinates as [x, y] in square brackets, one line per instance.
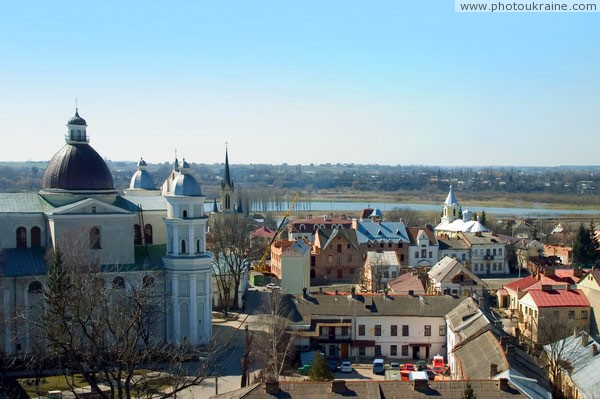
[148, 234]
[183, 248]
[137, 234]
[184, 213]
[35, 287]
[227, 201]
[197, 245]
[95, 238]
[36, 237]
[148, 281]
[118, 282]
[21, 237]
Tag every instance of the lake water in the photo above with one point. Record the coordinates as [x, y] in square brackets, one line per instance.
[328, 206]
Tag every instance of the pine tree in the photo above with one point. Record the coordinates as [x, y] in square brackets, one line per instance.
[483, 218]
[595, 244]
[468, 393]
[584, 250]
[319, 370]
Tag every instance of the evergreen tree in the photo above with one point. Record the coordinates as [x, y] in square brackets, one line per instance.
[483, 219]
[319, 370]
[468, 393]
[584, 250]
[594, 239]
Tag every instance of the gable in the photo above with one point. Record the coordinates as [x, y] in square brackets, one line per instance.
[88, 206]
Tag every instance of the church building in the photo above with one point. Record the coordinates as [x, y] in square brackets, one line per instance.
[147, 234]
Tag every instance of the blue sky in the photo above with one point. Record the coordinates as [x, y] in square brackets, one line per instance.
[388, 82]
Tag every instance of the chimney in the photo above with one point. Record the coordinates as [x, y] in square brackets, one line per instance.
[338, 386]
[272, 387]
[549, 272]
[321, 290]
[493, 369]
[421, 385]
[336, 292]
[304, 292]
[510, 350]
[503, 384]
[594, 350]
[353, 291]
[584, 339]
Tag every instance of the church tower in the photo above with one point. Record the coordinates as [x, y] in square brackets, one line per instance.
[451, 210]
[187, 262]
[227, 190]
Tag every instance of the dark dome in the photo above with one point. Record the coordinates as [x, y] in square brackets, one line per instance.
[77, 120]
[77, 167]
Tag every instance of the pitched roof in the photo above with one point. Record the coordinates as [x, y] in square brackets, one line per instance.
[561, 277]
[405, 283]
[324, 237]
[584, 364]
[477, 354]
[414, 233]
[558, 298]
[375, 389]
[263, 232]
[381, 232]
[447, 268]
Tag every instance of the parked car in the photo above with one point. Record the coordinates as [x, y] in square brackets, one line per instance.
[378, 366]
[394, 366]
[332, 364]
[346, 367]
[409, 367]
[304, 369]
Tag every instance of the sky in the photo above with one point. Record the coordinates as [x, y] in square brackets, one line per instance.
[299, 82]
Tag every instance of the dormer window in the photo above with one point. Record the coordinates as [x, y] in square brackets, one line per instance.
[93, 209]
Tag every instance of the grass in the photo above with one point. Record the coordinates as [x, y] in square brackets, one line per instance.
[50, 383]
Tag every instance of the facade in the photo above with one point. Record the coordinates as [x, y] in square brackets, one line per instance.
[356, 326]
[590, 285]
[380, 267]
[377, 235]
[290, 263]
[307, 227]
[145, 235]
[335, 257]
[424, 248]
[449, 276]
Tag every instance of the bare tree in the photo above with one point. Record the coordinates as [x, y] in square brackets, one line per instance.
[377, 271]
[277, 343]
[230, 249]
[98, 324]
[408, 216]
[558, 350]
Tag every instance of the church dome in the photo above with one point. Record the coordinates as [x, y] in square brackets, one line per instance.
[77, 120]
[142, 179]
[77, 167]
[186, 184]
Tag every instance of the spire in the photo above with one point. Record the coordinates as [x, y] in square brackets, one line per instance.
[451, 199]
[227, 177]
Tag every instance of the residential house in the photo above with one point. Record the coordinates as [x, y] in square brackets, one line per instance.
[383, 236]
[580, 379]
[379, 268]
[424, 247]
[290, 263]
[335, 257]
[307, 227]
[526, 249]
[399, 327]
[523, 229]
[449, 276]
[374, 389]
[590, 285]
[563, 253]
[410, 283]
[551, 313]
[487, 253]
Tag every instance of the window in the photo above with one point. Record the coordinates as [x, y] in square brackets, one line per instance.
[148, 233]
[393, 350]
[494, 252]
[571, 314]
[313, 261]
[349, 258]
[423, 253]
[351, 270]
[394, 330]
[430, 254]
[94, 238]
[137, 234]
[345, 331]
[361, 351]
[35, 287]
[377, 350]
[442, 330]
[184, 213]
[36, 237]
[394, 274]
[329, 258]
[339, 248]
[197, 245]
[584, 314]
[405, 330]
[93, 209]
[118, 282]
[417, 254]
[21, 237]
[402, 257]
[404, 350]
[378, 330]
[428, 331]
[500, 251]
[183, 247]
[400, 245]
[361, 329]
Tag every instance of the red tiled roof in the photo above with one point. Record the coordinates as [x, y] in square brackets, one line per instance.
[561, 277]
[522, 284]
[264, 232]
[559, 298]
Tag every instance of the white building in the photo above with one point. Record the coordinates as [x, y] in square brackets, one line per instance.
[146, 234]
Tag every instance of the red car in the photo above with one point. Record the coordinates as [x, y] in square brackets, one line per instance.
[409, 367]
